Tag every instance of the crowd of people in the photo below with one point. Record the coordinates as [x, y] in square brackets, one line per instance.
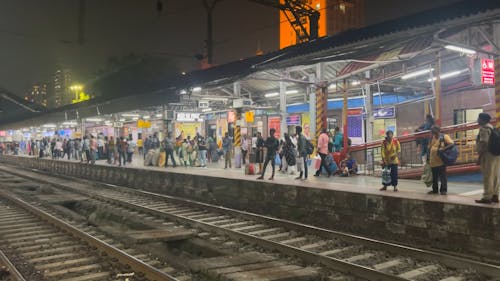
[290, 155]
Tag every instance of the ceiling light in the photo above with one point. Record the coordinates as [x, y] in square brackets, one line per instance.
[448, 75]
[355, 83]
[159, 115]
[292, 92]
[130, 115]
[460, 49]
[215, 99]
[146, 117]
[122, 120]
[197, 89]
[332, 86]
[183, 92]
[416, 73]
[271, 95]
[206, 110]
[49, 126]
[93, 119]
[135, 118]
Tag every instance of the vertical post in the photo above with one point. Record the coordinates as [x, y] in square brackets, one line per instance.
[312, 107]
[344, 115]
[321, 101]
[438, 90]
[426, 108]
[283, 114]
[369, 113]
[237, 127]
[496, 36]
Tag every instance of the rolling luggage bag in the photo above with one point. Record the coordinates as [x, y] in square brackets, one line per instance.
[250, 169]
[148, 160]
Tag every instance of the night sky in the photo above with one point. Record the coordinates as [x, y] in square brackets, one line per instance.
[37, 36]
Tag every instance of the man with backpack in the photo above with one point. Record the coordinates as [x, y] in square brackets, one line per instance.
[272, 145]
[439, 143]
[488, 148]
[391, 148]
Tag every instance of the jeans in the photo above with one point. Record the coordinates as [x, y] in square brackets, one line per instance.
[244, 156]
[227, 159]
[122, 158]
[269, 158]
[170, 152]
[439, 174]
[203, 157]
[394, 174]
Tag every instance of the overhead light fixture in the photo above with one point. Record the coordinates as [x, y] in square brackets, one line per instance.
[271, 95]
[448, 75]
[197, 89]
[130, 115]
[332, 86]
[206, 109]
[93, 119]
[215, 99]
[183, 92]
[50, 126]
[135, 118]
[417, 73]
[290, 92]
[355, 83]
[122, 120]
[159, 115]
[460, 49]
[146, 117]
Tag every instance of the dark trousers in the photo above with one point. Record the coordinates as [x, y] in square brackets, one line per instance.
[273, 164]
[244, 155]
[394, 174]
[323, 164]
[439, 174]
[170, 152]
[305, 168]
[122, 158]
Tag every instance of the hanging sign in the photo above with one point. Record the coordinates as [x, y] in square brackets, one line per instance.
[293, 120]
[387, 112]
[488, 72]
[188, 117]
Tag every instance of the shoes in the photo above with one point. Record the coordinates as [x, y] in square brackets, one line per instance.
[432, 192]
[316, 175]
[271, 178]
[298, 178]
[260, 178]
[484, 201]
[383, 188]
[443, 193]
[494, 199]
[395, 189]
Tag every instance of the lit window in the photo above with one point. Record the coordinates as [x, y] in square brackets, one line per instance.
[342, 7]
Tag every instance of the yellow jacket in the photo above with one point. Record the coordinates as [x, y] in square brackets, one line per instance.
[390, 151]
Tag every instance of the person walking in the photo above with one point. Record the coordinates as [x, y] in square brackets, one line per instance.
[227, 147]
[302, 154]
[438, 143]
[289, 154]
[259, 156]
[323, 152]
[272, 145]
[489, 162]
[391, 148]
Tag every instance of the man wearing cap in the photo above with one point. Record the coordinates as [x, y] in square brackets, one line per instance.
[490, 164]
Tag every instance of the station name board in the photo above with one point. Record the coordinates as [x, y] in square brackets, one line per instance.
[188, 117]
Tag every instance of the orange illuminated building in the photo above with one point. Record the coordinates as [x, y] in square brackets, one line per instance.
[335, 16]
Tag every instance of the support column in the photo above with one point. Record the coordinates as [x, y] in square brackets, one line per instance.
[344, 116]
[237, 127]
[438, 90]
[312, 108]
[369, 113]
[497, 75]
[321, 110]
[283, 113]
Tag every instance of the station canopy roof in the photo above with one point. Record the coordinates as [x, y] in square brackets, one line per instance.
[378, 55]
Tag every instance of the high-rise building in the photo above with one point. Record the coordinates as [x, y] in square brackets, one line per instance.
[62, 94]
[335, 16]
[38, 94]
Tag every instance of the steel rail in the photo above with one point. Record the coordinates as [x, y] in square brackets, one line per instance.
[446, 259]
[15, 275]
[137, 265]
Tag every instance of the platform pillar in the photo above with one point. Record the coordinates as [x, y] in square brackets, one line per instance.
[344, 115]
[496, 35]
[283, 113]
[437, 89]
[321, 110]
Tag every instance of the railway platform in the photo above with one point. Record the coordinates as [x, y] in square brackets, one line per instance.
[452, 222]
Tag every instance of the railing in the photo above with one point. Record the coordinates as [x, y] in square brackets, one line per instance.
[368, 156]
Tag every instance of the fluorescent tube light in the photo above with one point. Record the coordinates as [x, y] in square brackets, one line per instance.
[197, 89]
[130, 115]
[460, 49]
[159, 115]
[292, 92]
[416, 73]
[206, 110]
[448, 75]
[93, 119]
[271, 95]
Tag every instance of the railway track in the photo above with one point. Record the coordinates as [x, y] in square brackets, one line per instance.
[361, 257]
[43, 247]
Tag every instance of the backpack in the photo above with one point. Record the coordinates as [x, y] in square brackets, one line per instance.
[450, 155]
[309, 147]
[494, 142]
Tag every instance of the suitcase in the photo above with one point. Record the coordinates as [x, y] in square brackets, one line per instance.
[163, 158]
[237, 160]
[155, 159]
[148, 160]
[250, 169]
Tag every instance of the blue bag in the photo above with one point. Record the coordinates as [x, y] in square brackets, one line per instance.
[450, 155]
[277, 160]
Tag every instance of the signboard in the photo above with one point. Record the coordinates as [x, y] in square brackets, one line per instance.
[274, 123]
[355, 111]
[239, 103]
[249, 116]
[488, 72]
[293, 120]
[231, 116]
[118, 124]
[188, 117]
[387, 112]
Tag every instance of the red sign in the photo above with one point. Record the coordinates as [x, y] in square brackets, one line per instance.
[355, 111]
[488, 71]
[274, 123]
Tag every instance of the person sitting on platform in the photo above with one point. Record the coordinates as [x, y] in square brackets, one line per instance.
[348, 166]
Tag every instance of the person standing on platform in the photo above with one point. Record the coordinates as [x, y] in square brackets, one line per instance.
[244, 148]
[227, 147]
[93, 149]
[272, 145]
[140, 147]
[438, 143]
[202, 152]
[111, 149]
[424, 142]
[323, 152]
[489, 162]
[130, 149]
[391, 148]
[338, 140]
[302, 154]
[169, 149]
[259, 156]
[122, 150]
